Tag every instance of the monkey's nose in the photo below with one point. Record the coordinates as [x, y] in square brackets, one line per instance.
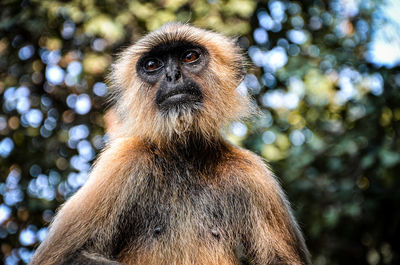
[173, 75]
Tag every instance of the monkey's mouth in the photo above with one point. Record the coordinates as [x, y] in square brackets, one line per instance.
[178, 97]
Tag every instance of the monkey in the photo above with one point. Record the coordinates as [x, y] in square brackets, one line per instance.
[169, 188]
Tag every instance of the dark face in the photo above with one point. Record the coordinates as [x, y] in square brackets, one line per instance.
[171, 68]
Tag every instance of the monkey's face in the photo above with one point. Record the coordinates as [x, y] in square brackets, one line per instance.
[170, 70]
[178, 81]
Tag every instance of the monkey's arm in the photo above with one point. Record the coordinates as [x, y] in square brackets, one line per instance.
[82, 230]
[274, 236]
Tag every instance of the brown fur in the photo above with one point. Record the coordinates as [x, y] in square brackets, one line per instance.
[170, 190]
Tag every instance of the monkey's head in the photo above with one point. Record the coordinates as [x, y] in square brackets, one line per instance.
[178, 81]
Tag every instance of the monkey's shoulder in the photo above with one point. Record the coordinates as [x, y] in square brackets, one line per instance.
[225, 164]
[126, 148]
[246, 164]
[225, 157]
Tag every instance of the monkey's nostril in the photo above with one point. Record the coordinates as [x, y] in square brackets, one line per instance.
[177, 75]
[168, 77]
[173, 76]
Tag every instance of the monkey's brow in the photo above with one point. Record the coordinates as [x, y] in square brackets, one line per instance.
[173, 47]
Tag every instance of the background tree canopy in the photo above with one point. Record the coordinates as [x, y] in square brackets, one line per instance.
[326, 78]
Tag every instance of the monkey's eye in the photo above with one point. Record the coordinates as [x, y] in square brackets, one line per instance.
[190, 56]
[152, 65]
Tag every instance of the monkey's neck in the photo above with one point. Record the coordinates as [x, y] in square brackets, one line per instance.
[192, 155]
[191, 146]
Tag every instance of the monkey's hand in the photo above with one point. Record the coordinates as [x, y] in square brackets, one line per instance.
[86, 258]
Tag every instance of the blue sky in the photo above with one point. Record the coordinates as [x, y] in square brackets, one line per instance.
[384, 49]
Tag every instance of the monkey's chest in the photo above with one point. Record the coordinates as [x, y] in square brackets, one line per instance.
[177, 212]
[186, 221]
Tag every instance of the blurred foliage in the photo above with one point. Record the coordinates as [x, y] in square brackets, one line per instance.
[330, 107]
